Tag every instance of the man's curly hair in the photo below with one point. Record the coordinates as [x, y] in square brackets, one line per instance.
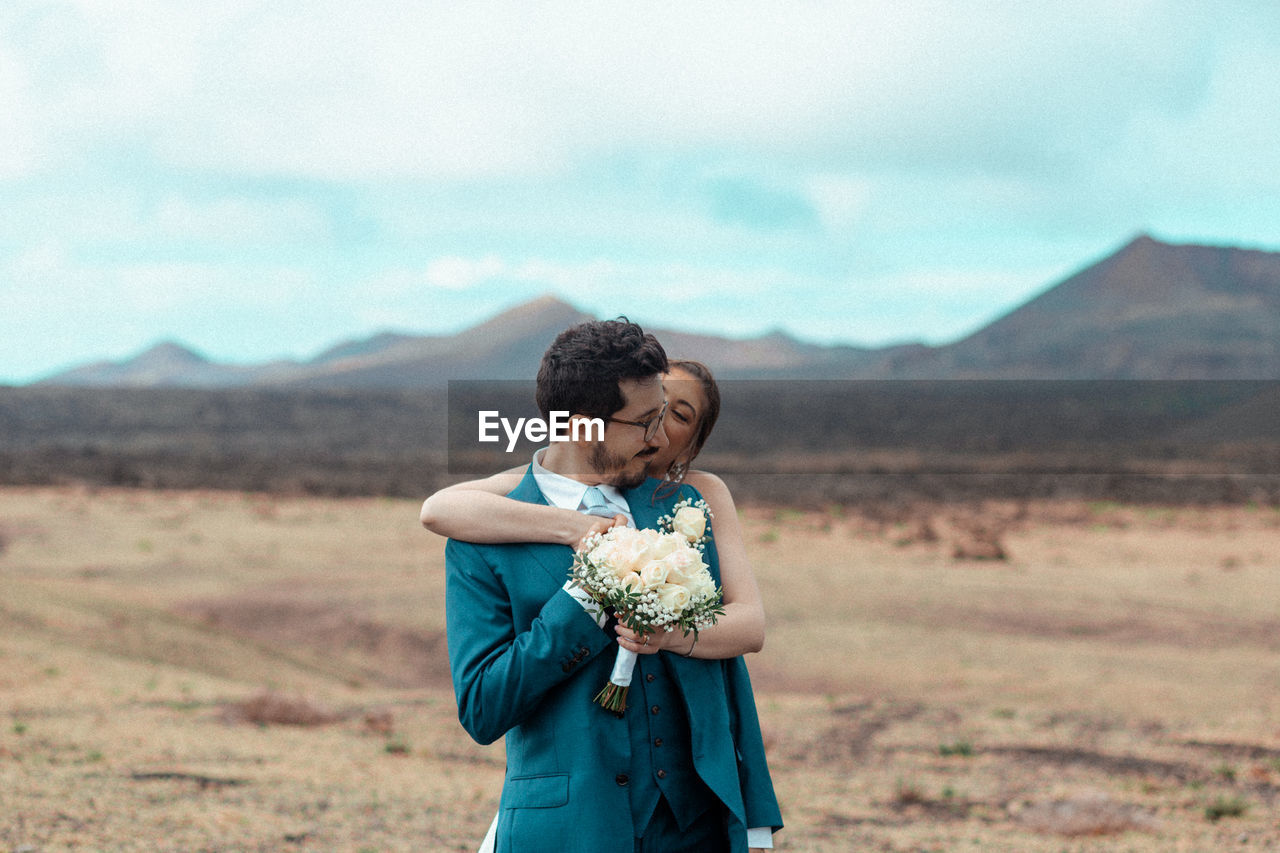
[581, 369]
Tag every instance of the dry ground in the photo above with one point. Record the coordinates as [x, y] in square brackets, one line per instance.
[1113, 684]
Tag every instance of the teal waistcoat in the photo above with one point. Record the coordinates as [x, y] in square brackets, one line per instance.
[661, 752]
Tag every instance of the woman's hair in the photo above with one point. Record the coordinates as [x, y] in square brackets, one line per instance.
[707, 417]
[674, 476]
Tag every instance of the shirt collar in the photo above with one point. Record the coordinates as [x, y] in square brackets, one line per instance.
[566, 492]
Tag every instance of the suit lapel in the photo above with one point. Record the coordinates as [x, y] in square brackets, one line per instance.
[553, 559]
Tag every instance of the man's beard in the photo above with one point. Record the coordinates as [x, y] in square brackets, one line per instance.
[604, 462]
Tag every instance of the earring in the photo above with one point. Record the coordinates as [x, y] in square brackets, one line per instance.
[676, 472]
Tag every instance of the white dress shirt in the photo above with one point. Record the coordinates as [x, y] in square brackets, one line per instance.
[567, 493]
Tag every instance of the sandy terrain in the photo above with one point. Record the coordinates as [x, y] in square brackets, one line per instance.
[1112, 684]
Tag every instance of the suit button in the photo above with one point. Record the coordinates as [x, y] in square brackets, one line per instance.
[654, 710]
[621, 779]
[662, 774]
[584, 651]
[657, 741]
[650, 677]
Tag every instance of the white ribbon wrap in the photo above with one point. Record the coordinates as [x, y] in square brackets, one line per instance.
[623, 665]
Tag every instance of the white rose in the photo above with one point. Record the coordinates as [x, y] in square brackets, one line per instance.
[621, 552]
[673, 597]
[689, 522]
[682, 564]
[656, 544]
[632, 580]
[663, 546]
[654, 574]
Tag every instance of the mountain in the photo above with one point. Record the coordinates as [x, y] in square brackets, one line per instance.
[165, 364]
[1151, 310]
[508, 346]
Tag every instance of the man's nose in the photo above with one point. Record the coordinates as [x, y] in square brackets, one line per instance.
[660, 437]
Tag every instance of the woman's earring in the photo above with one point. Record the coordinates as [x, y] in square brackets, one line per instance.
[676, 472]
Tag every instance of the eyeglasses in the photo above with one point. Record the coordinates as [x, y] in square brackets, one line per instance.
[650, 426]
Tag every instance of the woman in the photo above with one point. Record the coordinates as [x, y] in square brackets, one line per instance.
[478, 511]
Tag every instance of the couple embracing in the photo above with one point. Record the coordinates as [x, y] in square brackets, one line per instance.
[684, 769]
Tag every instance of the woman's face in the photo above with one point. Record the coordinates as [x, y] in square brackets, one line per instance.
[686, 401]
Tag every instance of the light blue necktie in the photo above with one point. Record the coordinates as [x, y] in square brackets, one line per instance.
[593, 503]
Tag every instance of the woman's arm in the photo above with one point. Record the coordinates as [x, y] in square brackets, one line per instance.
[741, 629]
[479, 511]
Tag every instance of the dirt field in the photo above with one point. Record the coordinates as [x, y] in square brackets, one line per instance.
[223, 671]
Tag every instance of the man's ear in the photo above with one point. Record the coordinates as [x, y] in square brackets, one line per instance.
[585, 431]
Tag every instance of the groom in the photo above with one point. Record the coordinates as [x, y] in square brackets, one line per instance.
[527, 656]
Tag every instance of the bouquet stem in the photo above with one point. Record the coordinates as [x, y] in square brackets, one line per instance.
[613, 697]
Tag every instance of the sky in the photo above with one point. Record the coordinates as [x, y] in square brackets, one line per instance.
[261, 180]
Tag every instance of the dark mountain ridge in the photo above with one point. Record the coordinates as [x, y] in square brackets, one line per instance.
[1151, 310]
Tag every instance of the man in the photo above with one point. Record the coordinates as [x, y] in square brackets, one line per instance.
[525, 648]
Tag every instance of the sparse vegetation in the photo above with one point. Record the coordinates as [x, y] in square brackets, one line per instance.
[396, 746]
[907, 793]
[1226, 806]
[1092, 814]
[961, 748]
[269, 708]
[906, 704]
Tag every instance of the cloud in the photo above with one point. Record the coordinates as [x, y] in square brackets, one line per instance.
[235, 220]
[60, 308]
[757, 205]
[499, 88]
[18, 119]
[872, 168]
[1229, 143]
[671, 282]
[456, 273]
[919, 302]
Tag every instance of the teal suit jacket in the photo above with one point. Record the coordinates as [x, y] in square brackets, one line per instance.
[527, 663]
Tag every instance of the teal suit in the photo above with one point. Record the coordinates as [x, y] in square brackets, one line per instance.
[526, 662]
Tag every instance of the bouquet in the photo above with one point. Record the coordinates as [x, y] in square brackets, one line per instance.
[653, 580]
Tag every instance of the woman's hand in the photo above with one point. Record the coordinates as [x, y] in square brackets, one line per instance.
[658, 641]
[593, 524]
